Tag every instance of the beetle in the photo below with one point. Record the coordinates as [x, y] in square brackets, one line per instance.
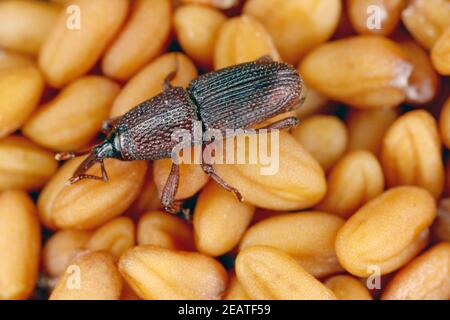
[236, 97]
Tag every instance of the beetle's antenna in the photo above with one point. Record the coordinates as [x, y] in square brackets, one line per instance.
[62, 156]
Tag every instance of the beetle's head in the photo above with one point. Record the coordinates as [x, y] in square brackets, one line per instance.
[107, 149]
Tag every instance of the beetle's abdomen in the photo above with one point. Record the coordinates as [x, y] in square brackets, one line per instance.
[146, 130]
[246, 94]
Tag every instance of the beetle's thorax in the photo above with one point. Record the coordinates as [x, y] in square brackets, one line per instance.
[147, 131]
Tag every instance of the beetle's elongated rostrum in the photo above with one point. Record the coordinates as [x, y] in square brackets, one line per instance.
[236, 97]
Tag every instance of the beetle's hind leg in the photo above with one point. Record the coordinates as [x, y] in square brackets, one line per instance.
[285, 123]
[170, 190]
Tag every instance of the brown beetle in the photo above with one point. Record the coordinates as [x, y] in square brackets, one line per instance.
[236, 97]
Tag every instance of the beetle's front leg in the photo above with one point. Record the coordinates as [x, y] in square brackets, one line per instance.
[170, 190]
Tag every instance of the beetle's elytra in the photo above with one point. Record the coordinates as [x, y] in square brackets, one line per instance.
[236, 97]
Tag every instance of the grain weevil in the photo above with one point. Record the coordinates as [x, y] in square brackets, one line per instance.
[236, 97]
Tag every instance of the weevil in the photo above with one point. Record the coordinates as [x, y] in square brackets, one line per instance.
[237, 97]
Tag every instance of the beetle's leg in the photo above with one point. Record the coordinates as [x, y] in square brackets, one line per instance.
[264, 59]
[210, 171]
[109, 124]
[170, 190]
[167, 85]
[84, 177]
[281, 124]
[104, 173]
[80, 173]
